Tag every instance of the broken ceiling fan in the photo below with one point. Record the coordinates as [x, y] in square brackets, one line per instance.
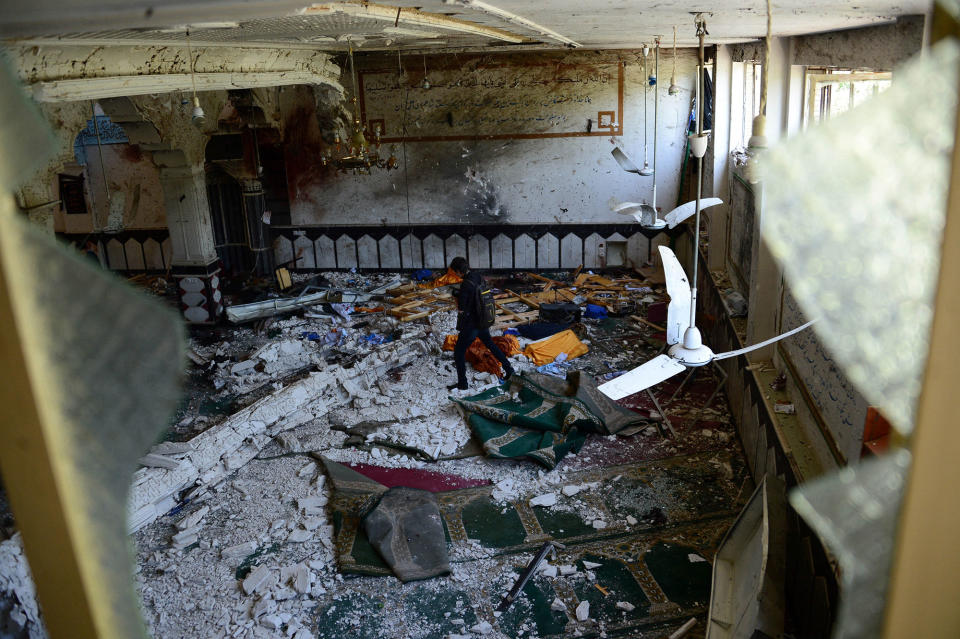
[645, 214]
[686, 347]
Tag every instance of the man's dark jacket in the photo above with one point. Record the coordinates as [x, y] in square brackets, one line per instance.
[468, 301]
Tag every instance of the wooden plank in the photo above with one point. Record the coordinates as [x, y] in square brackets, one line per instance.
[637, 318]
[525, 299]
[542, 278]
[507, 311]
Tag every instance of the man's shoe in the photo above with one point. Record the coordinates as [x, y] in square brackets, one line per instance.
[457, 386]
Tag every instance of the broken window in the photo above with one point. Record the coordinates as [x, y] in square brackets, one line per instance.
[71, 194]
[832, 91]
[745, 104]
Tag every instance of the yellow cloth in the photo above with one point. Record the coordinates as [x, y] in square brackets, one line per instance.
[546, 350]
[450, 277]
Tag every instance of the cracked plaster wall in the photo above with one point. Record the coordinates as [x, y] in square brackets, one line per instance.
[545, 180]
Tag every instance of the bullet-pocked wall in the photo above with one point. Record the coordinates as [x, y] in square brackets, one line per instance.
[507, 139]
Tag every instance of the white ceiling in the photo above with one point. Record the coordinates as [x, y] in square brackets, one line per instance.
[594, 24]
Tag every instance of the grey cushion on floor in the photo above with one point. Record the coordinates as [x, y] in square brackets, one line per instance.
[406, 529]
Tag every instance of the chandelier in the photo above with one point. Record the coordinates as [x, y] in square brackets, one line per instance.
[358, 156]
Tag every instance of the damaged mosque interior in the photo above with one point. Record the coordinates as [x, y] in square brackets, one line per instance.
[456, 319]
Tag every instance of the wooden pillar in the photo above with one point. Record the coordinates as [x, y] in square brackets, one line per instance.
[924, 593]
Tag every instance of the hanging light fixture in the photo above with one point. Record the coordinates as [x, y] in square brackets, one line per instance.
[359, 157]
[649, 218]
[758, 139]
[646, 170]
[426, 83]
[698, 140]
[197, 117]
[674, 89]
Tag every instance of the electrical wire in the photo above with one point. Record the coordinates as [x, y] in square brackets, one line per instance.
[673, 75]
[403, 134]
[103, 170]
[766, 61]
[193, 81]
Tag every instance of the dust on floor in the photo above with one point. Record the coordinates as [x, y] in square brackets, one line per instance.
[640, 515]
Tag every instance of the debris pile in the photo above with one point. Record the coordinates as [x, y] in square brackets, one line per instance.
[19, 613]
[179, 472]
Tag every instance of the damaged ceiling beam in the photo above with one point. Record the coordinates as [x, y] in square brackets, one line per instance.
[66, 73]
[119, 86]
[410, 17]
[513, 18]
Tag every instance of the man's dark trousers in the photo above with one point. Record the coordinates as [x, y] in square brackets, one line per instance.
[464, 340]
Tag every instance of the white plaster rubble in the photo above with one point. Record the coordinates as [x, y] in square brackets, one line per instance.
[16, 585]
[229, 445]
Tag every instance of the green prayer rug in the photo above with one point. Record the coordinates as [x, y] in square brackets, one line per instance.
[651, 528]
[542, 418]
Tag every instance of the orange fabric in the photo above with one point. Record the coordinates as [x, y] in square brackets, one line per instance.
[447, 278]
[546, 350]
[480, 357]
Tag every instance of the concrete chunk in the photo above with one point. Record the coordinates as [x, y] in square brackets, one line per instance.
[547, 500]
[256, 579]
[182, 537]
[301, 579]
[172, 448]
[583, 611]
[152, 460]
[623, 605]
[300, 535]
[193, 518]
[240, 550]
[273, 622]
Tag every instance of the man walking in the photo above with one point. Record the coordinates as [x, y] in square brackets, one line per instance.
[471, 323]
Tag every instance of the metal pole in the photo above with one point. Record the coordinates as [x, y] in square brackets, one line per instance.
[701, 32]
[656, 105]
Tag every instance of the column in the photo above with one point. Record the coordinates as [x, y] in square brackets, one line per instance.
[194, 262]
[258, 234]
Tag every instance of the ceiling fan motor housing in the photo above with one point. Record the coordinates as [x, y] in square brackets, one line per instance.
[691, 351]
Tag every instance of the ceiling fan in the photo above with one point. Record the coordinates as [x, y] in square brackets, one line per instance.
[646, 214]
[686, 347]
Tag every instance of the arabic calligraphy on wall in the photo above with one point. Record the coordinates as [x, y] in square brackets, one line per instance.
[494, 102]
[836, 403]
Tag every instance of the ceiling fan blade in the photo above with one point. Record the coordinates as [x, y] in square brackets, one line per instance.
[628, 208]
[754, 347]
[687, 209]
[642, 377]
[678, 288]
[625, 163]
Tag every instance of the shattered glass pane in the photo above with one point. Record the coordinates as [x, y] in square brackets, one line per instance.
[25, 136]
[854, 213]
[855, 512]
[106, 364]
